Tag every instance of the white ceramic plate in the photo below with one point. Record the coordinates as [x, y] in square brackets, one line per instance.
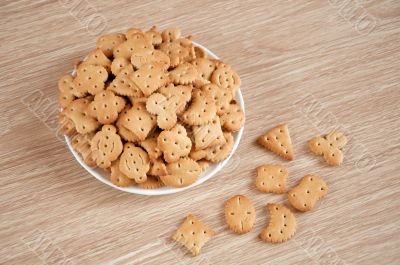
[103, 176]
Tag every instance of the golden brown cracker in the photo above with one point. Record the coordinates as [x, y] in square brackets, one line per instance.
[240, 214]
[271, 178]
[278, 140]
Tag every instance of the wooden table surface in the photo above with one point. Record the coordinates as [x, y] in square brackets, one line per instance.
[318, 65]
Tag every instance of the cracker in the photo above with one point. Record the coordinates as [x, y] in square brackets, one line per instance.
[145, 56]
[134, 163]
[78, 112]
[125, 134]
[81, 144]
[232, 118]
[330, 146]
[179, 51]
[271, 178]
[193, 234]
[153, 36]
[240, 214]
[90, 79]
[67, 91]
[108, 42]
[66, 125]
[183, 74]
[149, 78]
[151, 147]
[171, 34]
[225, 77]
[118, 178]
[164, 108]
[278, 140]
[204, 164]
[202, 109]
[208, 135]
[106, 146]
[282, 224]
[139, 121]
[134, 42]
[174, 143]
[124, 86]
[158, 168]
[106, 106]
[306, 194]
[97, 57]
[130, 33]
[205, 68]
[181, 173]
[118, 64]
[222, 98]
[152, 182]
[181, 95]
[215, 153]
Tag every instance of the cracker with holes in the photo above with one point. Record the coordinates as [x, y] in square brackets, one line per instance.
[90, 79]
[125, 134]
[153, 36]
[149, 78]
[134, 42]
[225, 77]
[78, 112]
[240, 214]
[330, 146]
[174, 143]
[122, 85]
[107, 43]
[208, 135]
[97, 57]
[151, 146]
[204, 68]
[118, 64]
[164, 108]
[222, 99]
[145, 56]
[179, 94]
[67, 91]
[171, 34]
[282, 224]
[106, 106]
[66, 125]
[278, 140]
[81, 144]
[139, 121]
[232, 118]
[181, 173]
[193, 234]
[179, 51]
[271, 178]
[158, 168]
[215, 153]
[183, 74]
[305, 195]
[118, 178]
[202, 109]
[134, 163]
[106, 146]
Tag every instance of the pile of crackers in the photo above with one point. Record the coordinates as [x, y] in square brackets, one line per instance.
[150, 108]
[239, 211]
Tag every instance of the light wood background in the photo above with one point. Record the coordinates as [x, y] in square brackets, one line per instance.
[318, 65]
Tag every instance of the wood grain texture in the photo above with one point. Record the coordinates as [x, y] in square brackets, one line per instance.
[313, 64]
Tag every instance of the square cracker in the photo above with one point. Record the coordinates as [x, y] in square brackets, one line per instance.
[193, 234]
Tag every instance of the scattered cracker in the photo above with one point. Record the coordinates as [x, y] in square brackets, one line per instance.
[305, 195]
[330, 146]
[240, 214]
[193, 234]
[278, 140]
[271, 178]
[282, 224]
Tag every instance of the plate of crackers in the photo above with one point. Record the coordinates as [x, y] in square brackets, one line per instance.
[151, 112]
